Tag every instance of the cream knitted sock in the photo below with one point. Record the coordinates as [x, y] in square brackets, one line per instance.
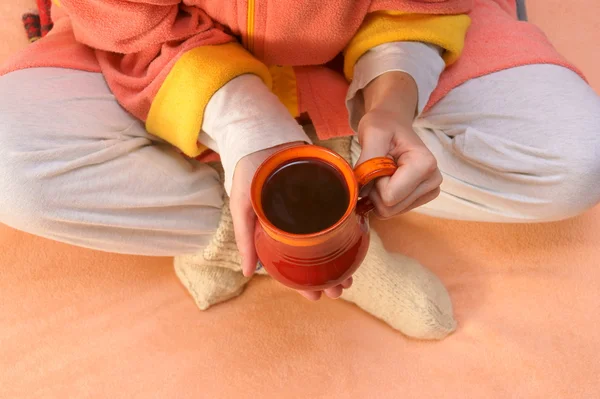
[401, 292]
[214, 274]
[210, 285]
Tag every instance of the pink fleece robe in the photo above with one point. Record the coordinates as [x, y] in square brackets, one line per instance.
[135, 44]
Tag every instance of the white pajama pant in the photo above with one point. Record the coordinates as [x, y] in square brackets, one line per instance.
[520, 145]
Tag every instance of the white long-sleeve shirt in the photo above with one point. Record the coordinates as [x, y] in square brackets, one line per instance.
[244, 116]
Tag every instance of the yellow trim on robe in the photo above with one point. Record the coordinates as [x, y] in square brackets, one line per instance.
[445, 31]
[177, 111]
[284, 87]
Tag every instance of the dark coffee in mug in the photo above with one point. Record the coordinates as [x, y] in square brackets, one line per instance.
[305, 196]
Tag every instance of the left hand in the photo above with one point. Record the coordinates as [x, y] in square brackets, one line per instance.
[386, 131]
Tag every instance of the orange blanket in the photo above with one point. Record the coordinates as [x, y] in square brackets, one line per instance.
[78, 323]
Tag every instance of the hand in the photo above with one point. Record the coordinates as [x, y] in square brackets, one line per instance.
[386, 130]
[244, 218]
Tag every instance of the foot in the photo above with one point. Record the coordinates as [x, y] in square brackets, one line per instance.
[214, 274]
[402, 293]
[208, 284]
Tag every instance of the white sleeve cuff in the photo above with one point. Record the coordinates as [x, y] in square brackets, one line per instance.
[245, 117]
[423, 62]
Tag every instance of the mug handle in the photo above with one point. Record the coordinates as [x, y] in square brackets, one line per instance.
[368, 171]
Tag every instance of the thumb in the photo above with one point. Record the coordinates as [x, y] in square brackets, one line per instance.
[244, 223]
[372, 149]
[375, 140]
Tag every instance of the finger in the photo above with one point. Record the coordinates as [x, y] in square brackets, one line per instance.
[424, 200]
[244, 223]
[384, 213]
[334, 292]
[423, 189]
[311, 295]
[347, 283]
[413, 169]
[380, 209]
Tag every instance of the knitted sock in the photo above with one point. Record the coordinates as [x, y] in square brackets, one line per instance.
[214, 274]
[403, 293]
[208, 284]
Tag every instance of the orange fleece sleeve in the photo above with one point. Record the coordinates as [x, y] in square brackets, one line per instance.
[163, 60]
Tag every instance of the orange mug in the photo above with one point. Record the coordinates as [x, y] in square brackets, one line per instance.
[326, 258]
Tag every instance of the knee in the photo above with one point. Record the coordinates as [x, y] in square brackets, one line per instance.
[21, 185]
[577, 192]
[20, 206]
[574, 187]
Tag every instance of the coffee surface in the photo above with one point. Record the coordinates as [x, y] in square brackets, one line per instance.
[305, 196]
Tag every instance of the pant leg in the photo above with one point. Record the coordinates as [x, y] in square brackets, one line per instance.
[519, 145]
[76, 167]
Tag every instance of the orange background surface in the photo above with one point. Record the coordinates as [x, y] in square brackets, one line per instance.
[79, 323]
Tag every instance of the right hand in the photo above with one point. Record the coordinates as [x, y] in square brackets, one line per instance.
[244, 218]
